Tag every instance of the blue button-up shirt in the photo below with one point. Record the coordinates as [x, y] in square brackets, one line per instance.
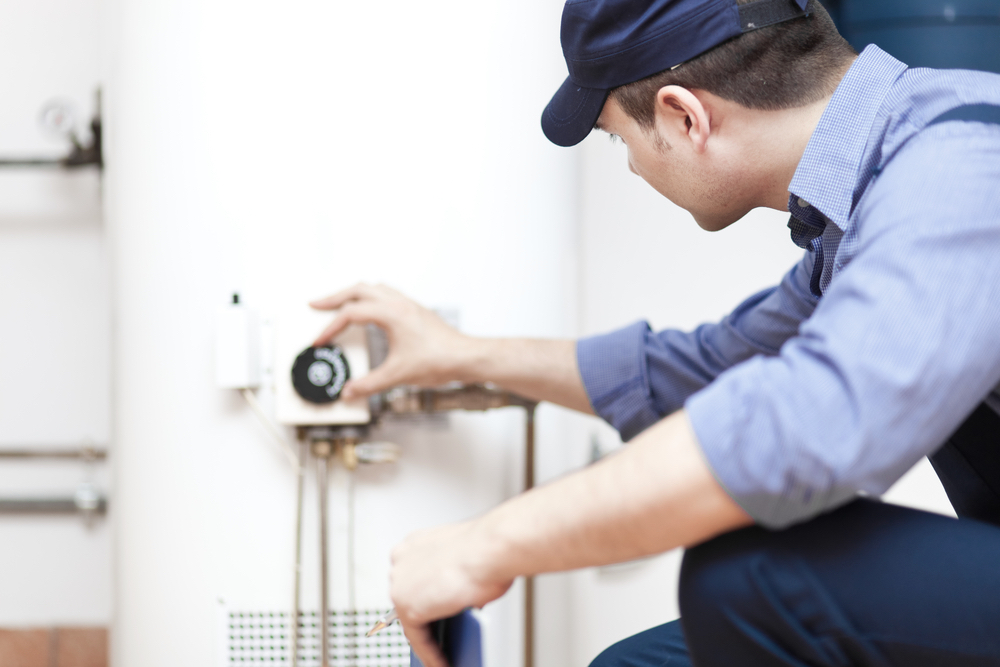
[878, 344]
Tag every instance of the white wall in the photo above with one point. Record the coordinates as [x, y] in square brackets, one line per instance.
[644, 258]
[286, 152]
[54, 317]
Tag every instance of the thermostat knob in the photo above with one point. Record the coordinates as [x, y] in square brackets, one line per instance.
[319, 374]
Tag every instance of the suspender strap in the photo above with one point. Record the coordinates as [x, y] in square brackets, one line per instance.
[968, 466]
[978, 113]
[975, 113]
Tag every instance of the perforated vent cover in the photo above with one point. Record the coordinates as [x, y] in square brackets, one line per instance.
[262, 637]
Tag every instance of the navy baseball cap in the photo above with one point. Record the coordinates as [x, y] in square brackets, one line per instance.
[608, 43]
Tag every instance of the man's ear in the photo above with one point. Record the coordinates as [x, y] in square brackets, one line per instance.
[679, 111]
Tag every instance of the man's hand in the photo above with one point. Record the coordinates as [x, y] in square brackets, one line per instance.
[436, 574]
[423, 350]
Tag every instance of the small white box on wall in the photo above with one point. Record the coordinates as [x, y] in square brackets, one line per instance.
[237, 347]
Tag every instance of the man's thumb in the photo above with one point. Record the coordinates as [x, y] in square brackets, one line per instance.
[380, 379]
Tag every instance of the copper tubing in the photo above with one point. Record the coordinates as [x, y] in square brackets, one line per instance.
[323, 449]
[297, 604]
[413, 400]
[529, 582]
[352, 608]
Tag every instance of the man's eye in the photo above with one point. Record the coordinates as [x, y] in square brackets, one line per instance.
[614, 138]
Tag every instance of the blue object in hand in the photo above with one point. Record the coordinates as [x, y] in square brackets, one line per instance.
[460, 639]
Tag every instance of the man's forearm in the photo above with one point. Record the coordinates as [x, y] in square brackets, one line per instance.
[427, 352]
[656, 494]
[544, 370]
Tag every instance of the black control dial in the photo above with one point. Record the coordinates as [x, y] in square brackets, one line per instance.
[319, 374]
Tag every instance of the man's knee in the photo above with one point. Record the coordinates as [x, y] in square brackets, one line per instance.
[662, 645]
[761, 576]
[716, 579]
[615, 655]
[729, 585]
[752, 597]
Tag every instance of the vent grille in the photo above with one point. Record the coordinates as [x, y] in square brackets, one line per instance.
[264, 638]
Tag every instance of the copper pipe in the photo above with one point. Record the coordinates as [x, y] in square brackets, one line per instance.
[323, 449]
[297, 603]
[413, 400]
[529, 582]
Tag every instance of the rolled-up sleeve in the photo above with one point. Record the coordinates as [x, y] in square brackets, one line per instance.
[634, 376]
[903, 346]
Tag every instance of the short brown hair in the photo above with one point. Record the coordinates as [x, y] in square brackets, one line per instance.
[781, 66]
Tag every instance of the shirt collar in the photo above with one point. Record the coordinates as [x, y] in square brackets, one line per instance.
[829, 173]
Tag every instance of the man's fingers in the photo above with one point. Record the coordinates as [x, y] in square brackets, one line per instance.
[354, 313]
[424, 646]
[352, 293]
[384, 377]
[339, 324]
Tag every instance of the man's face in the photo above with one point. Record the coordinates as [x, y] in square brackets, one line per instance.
[703, 182]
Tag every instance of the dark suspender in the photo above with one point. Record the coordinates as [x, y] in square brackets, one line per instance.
[978, 113]
[968, 464]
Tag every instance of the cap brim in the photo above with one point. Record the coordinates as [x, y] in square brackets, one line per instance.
[572, 112]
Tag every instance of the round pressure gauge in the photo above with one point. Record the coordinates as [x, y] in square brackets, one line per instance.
[319, 374]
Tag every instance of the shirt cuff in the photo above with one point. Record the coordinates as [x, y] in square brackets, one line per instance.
[613, 370]
[748, 458]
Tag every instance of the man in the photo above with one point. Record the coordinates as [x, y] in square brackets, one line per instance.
[881, 346]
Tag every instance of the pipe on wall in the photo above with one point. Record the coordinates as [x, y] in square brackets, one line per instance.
[85, 453]
[51, 506]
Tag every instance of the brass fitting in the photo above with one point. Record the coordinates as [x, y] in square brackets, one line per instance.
[348, 452]
[322, 449]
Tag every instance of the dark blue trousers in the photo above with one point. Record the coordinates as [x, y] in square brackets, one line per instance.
[868, 585]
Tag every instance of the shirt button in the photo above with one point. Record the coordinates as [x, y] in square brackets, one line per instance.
[803, 203]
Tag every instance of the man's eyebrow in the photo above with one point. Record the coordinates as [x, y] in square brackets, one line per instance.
[597, 126]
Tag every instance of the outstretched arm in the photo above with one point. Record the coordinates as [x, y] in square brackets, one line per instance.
[650, 497]
[425, 351]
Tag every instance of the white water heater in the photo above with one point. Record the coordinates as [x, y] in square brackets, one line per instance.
[282, 152]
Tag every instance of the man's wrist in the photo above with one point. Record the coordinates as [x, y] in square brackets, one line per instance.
[490, 551]
[543, 370]
[474, 358]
